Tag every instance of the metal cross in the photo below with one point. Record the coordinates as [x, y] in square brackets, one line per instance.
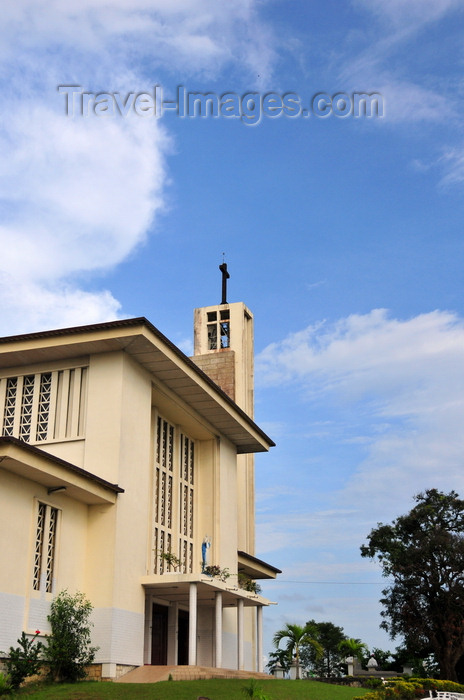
[225, 277]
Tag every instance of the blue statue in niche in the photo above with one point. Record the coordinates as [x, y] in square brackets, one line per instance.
[206, 544]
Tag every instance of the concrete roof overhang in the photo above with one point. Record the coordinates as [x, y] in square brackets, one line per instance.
[148, 346]
[175, 588]
[54, 473]
[255, 568]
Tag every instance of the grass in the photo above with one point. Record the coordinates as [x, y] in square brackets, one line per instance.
[190, 690]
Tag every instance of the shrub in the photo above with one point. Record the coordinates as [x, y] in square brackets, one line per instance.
[24, 660]
[5, 684]
[252, 690]
[69, 650]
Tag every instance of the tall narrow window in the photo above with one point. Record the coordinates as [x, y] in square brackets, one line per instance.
[186, 501]
[45, 548]
[43, 413]
[163, 502]
[173, 501]
[10, 403]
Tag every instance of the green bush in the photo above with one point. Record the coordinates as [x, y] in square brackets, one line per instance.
[5, 684]
[24, 660]
[69, 650]
[252, 690]
[369, 696]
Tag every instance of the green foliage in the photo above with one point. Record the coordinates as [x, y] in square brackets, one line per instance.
[25, 659]
[399, 689]
[216, 572]
[423, 553]
[297, 637]
[252, 690]
[69, 651]
[170, 559]
[279, 657]
[325, 660]
[248, 584]
[6, 685]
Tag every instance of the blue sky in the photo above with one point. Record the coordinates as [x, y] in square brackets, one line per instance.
[343, 235]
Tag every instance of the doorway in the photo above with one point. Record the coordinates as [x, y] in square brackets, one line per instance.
[159, 635]
[183, 638]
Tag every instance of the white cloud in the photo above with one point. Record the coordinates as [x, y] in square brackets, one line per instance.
[81, 194]
[452, 162]
[28, 307]
[402, 13]
[78, 195]
[404, 382]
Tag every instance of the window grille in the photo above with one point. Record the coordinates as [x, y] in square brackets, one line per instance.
[172, 513]
[10, 403]
[25, 422]
[45, 548]
[43, 413]
[44, 406]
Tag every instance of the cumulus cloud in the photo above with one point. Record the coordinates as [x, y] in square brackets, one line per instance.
[80, 194]
[403, 380]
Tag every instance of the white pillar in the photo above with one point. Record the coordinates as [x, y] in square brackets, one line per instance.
[218, 634]
[240, 634]
[259, 637]
[192, 659]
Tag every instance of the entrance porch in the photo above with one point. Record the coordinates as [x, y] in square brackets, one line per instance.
[193, 619]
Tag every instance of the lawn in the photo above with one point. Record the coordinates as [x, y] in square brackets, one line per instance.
[191, 690]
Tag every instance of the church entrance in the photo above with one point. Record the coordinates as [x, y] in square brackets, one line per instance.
[183, 638]
[159, 635]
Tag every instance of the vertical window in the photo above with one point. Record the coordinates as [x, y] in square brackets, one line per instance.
[43, 413]
[10, 403]
[27, 402]
[173, 521]
[45, 548]
[163, 491]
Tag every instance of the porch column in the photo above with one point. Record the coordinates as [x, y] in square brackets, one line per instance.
[192, 658]
[218, 633]
[240, 634]
[259, 637]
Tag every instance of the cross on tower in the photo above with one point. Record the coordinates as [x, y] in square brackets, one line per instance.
[225, 277]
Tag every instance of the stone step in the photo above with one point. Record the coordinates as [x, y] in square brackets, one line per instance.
[154, 674]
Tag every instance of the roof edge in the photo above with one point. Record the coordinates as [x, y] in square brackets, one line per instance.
[134, 322]
[32, 449]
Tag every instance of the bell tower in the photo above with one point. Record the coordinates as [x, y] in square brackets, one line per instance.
[223, 349]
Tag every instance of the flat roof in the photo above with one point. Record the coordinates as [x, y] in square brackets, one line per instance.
[54, 473]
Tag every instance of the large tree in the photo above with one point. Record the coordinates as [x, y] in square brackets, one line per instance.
[330, 661]
[422, 553]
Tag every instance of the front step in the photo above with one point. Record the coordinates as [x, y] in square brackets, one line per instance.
[154, 674]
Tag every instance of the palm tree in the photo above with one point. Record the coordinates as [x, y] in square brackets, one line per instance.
[296, 637]
[353, 647]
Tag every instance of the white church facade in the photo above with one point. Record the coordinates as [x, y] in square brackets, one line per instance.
[127, 473]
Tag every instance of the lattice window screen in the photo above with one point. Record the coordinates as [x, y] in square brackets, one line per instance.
[44, 406]
[173, 517]
[45, 547]
[162, 496]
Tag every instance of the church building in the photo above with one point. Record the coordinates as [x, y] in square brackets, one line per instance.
[127, 473]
